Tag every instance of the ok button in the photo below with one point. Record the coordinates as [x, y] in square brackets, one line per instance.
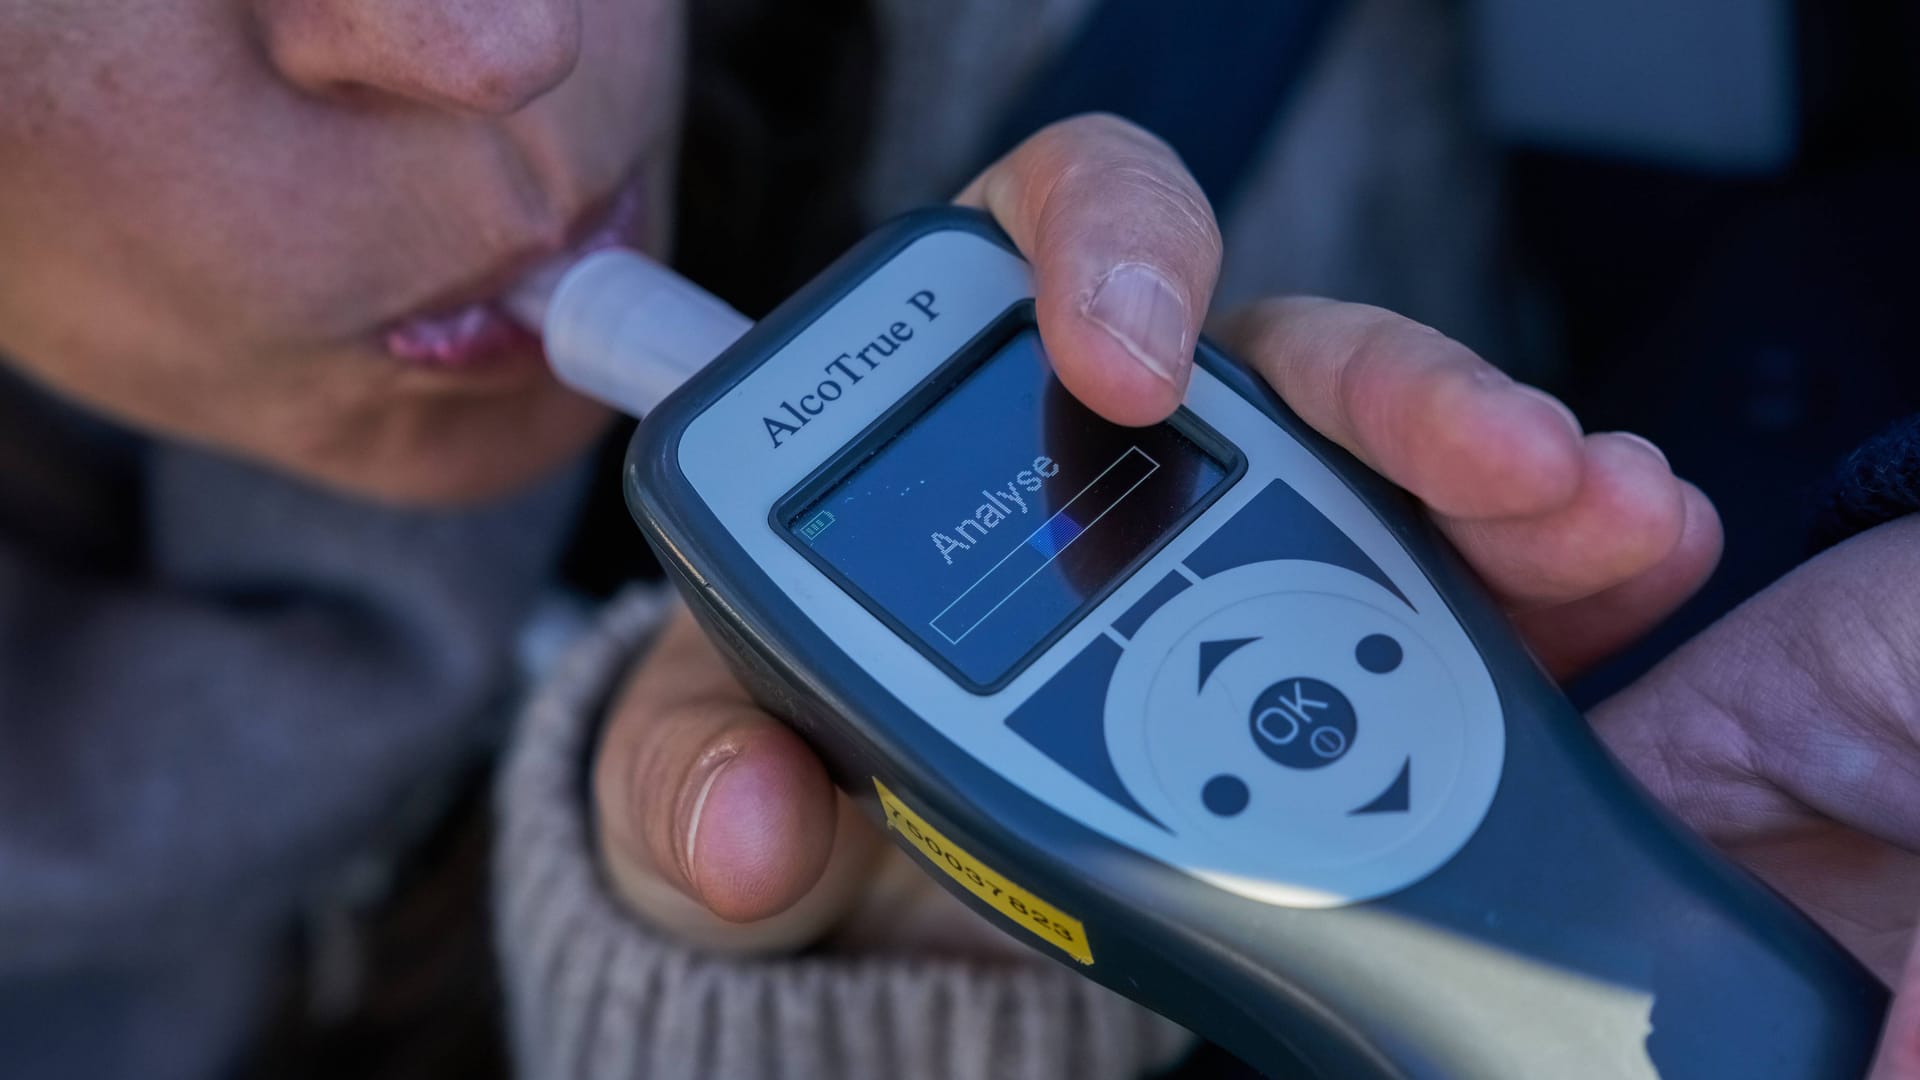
[1303, 723]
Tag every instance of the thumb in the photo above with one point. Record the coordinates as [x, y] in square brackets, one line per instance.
[716, 823]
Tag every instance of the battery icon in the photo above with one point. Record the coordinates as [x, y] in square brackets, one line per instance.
[816, 525]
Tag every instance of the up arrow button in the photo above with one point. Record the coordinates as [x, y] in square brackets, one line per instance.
[1212, 652]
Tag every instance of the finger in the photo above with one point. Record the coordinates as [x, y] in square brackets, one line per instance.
[716, 822]
[1626, 516]
[1416, 406]
[1899, 1056]
[1570, 638]
[1125, 253]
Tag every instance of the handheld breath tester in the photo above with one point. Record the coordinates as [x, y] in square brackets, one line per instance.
[1204, 709]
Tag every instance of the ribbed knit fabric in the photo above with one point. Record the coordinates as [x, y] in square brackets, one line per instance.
[594, 993]
[1876, 483]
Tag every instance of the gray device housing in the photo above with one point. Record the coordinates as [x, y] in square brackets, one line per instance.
[1583, 910]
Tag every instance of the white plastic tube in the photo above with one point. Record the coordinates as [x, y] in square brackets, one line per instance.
[623, 329]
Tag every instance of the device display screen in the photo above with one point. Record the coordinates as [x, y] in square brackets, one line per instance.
[991, 521]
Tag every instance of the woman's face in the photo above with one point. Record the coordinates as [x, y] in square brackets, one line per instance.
[275, 226]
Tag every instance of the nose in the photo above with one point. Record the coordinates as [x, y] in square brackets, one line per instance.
[488, 57]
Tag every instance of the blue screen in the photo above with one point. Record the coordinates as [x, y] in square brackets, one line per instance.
[1002, 512]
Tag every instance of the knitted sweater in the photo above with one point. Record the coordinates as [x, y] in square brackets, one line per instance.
[596, 994]
[1875, 484]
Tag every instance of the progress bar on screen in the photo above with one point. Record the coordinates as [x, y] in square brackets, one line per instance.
[1044, 544]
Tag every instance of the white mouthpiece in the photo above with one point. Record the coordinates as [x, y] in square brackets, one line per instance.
[622, 329]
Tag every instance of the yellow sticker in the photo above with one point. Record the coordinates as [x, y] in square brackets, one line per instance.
[1047, 922]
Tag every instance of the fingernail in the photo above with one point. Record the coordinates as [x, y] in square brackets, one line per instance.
[1559, 406]
[693, 804]
[1646, 442]
[1146, 315]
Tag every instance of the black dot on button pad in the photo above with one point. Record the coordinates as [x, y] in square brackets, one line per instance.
[1378, 653]
[1225, 795]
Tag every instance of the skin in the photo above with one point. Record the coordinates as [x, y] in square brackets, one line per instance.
[226, 281]
[1789, 735]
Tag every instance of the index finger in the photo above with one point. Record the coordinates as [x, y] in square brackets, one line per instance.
[1416, 406]
[1125, 252]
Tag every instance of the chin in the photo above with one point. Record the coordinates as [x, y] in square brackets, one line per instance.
[459, 452]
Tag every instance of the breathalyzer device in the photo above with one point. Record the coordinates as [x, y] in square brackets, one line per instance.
[1204, 709]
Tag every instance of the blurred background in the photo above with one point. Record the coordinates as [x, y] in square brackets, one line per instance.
[1690, 220]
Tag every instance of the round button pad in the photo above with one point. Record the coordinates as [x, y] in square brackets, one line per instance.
[1290, 726]
[1303, 723]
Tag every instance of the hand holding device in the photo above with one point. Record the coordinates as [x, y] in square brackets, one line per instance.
[1273, 723]
[1082, 198]
[1072, 707]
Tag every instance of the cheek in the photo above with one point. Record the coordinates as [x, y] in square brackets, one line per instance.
[140, 182]
[98, 197]
[211, 249]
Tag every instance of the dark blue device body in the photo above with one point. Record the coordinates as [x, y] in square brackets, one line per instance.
[1575, 872]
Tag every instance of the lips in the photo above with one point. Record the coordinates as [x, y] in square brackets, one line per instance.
[465, 338]
[462, 335]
